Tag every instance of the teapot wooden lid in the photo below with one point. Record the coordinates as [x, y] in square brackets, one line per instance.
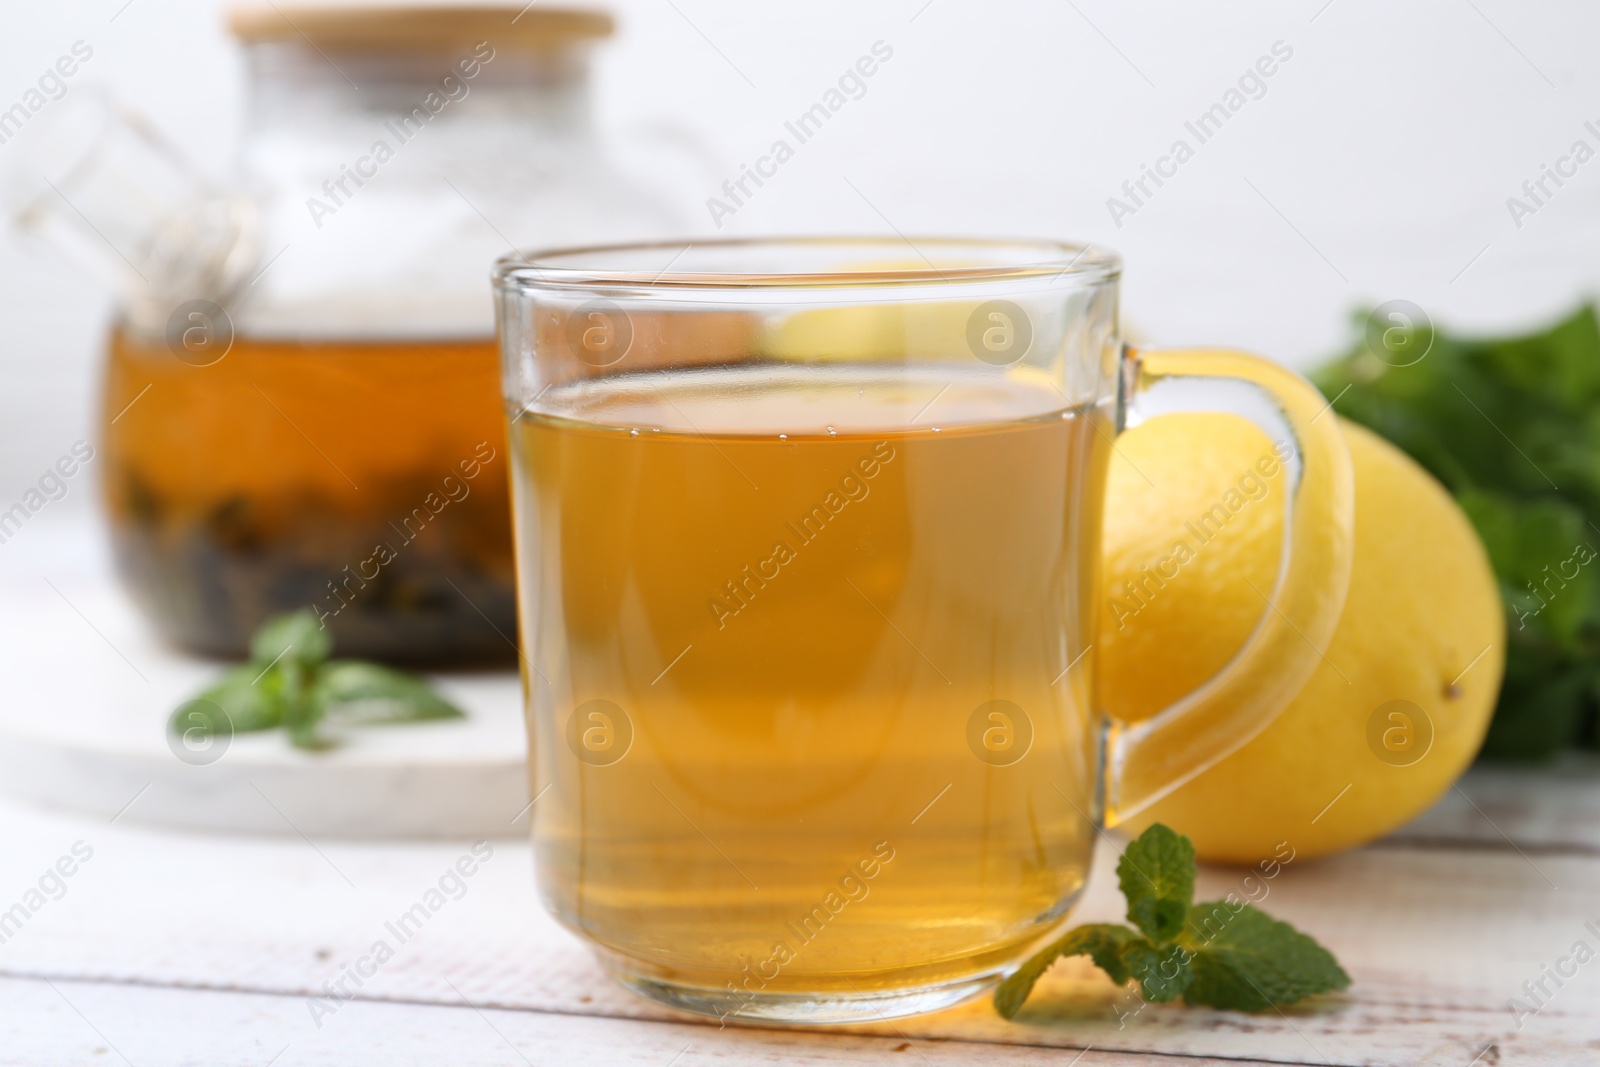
[350, 26]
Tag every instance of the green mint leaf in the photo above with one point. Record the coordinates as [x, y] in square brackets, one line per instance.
[1223, 956]
[302, 718]
[290, 682]
[1102, 942]
[1163, 972]
[1530, 543]
[1558, 364]
[252, 698]
[354, 692]
[1245, 960]
[1156, 873]
[1540, 713]
[297, 636]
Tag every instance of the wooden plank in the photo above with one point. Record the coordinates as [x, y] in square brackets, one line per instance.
[1551, 807]
[1437, 940]
[47, 1024]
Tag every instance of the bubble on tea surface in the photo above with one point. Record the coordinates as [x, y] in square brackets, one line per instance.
[1399, 333]
[599, 333]
[599, 733]
[201, 732]
[999, 732]
[199, 332]
[1399, 733]
[999, 333]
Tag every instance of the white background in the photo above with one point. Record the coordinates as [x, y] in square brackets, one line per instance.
[1377, 166]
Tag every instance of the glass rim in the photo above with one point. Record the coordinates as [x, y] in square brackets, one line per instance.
[571, 267]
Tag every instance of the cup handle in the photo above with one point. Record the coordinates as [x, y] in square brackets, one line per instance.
[1146, 760]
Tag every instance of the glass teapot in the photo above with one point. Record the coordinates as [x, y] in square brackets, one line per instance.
[302, 397]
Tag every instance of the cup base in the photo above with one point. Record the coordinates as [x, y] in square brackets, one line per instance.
[802, 1008]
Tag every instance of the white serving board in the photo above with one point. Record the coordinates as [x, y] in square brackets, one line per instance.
[86, 689]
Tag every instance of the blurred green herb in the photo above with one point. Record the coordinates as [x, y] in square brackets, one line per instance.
[1225, 954]
[1511, 426]
[290, 682]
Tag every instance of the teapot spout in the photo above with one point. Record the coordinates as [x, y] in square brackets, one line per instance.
[101, 185]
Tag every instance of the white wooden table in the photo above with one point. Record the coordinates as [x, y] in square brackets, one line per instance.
[170, 947]
[173, 947]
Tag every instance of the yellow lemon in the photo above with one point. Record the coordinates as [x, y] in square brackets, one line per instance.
[934, 330]
[1401, 696]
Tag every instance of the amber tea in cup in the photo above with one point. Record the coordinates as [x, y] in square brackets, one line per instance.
[807, 539]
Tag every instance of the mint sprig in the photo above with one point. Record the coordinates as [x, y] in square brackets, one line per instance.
[1221, 954]
[291, 682]
[1156, 874]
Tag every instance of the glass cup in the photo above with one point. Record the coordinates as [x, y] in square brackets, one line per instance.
[807, 538]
